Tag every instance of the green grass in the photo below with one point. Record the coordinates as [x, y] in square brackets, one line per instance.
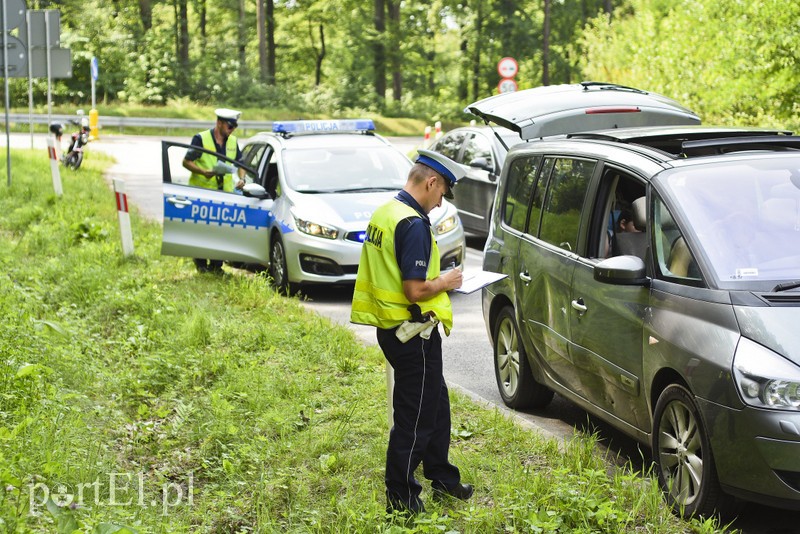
[140, 396]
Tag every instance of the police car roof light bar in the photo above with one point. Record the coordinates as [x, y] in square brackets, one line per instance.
[323, 126]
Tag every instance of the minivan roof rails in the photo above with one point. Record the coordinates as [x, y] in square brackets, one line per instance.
[734, 144]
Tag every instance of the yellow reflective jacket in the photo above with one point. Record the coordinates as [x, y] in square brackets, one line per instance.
[378, 299]
[207, 161]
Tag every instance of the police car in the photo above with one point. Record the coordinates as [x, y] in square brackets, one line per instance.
[313, 186]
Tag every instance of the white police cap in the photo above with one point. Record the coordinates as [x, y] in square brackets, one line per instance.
[228, 114]
[451, 171]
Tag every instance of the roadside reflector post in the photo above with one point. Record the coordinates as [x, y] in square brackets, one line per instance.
[438, 126]
[54, 170]
[390, 392]
[427, 139]
[124, 217]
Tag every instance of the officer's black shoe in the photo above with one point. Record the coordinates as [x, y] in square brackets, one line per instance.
[460, 491]
[402, 507]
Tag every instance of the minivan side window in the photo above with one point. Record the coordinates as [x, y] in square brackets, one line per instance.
[673, 256]
[521, 183]
[566, 191]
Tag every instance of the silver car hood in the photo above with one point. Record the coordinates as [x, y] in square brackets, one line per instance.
[344, 210]
[583, 107]
[774, 327]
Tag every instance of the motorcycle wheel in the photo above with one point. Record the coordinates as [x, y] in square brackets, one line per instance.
[74, 161]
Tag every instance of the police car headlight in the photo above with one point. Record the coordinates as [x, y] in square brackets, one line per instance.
[315, 229]
[447, 225]
[764, 378]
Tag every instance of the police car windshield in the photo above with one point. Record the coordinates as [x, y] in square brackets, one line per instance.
[345, 169]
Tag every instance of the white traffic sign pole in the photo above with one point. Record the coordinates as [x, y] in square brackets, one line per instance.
[54, 170]
[124, 217]
[5, 83]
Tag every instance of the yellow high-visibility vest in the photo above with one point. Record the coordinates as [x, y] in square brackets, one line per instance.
[207, 161]
[378, 298]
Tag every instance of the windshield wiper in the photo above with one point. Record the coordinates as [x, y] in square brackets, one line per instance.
[785, 286]
[365, 189]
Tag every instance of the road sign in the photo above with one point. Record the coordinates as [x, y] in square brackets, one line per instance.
[507, 85]
[94, 68]
[60, 63]
[507, 67]
[15, 11]
[38, 37]
[17, 58]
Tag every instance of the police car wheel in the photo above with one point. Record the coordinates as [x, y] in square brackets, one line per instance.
[277, 266]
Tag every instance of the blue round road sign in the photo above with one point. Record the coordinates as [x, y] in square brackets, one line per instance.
[94, 68]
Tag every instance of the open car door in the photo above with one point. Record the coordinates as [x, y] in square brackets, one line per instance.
[209, 223]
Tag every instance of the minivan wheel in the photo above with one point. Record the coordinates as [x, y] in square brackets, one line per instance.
[683, 458]
[515, 382]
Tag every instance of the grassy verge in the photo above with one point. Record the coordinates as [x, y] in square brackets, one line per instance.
[136, 395]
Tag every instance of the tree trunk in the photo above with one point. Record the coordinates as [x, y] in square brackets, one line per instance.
[379, 50]
[395, 61]
[609, 7]
[201, 11]
[546, 44]
[271, 69]
[146, 14]
[261, 27]
[242, 45]
[182, 23]
[319, 53]
[476, 53]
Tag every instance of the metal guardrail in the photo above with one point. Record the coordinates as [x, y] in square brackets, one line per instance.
[142, 122]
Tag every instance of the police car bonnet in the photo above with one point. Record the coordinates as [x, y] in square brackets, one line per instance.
[449, 169]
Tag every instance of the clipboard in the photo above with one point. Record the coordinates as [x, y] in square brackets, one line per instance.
[474, 281]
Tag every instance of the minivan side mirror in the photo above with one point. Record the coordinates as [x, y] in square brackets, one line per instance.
[622, 270]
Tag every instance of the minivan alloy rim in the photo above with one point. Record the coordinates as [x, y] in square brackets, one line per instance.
[681, 453]
[508, 357]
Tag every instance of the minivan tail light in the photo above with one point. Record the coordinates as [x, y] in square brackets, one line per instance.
[625, 109]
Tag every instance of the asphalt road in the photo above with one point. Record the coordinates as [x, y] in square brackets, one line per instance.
[467, 352]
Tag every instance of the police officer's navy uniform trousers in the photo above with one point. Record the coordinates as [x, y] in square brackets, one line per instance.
[421, 431]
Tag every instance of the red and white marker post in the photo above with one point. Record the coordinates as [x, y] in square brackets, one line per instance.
[124, 217]
[427, 139]
[54, 170]
[438, 126]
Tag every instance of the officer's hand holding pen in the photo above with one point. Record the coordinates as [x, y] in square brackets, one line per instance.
[452, 278]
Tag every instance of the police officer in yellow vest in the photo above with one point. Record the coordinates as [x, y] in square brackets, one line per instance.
[400, 290]
[220, 140]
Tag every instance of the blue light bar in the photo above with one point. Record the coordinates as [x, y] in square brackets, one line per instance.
[349, 125]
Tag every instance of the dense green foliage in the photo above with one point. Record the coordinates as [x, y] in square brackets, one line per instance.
[137, 394]
[730, 61]
[733, 62]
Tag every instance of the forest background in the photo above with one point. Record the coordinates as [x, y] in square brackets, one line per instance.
[732, 62]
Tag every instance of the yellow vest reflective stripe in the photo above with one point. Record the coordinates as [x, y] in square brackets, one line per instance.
[207, 161]
[378, 298]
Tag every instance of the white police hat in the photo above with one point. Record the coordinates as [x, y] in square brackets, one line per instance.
[449, 169]
[228, 115]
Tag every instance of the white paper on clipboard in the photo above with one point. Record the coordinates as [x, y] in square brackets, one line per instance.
[474, 281]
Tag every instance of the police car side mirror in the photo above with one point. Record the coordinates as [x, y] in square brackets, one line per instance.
[255, 191]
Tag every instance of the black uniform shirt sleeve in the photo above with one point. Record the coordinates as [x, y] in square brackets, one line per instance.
[413, 248]
[193, 155]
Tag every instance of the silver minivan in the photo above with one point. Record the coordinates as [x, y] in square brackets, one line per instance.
[653, 279]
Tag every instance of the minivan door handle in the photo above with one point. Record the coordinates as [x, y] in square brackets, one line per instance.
[525, 277]
[580, 306]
